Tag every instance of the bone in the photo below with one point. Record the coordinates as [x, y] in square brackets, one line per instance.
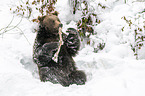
[55, 58]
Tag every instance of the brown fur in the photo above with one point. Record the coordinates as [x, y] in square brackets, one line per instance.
[50, 22]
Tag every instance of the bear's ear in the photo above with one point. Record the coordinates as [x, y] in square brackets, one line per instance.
[55, 13]
[41, 18]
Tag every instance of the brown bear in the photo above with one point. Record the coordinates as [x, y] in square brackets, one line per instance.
[46, 45]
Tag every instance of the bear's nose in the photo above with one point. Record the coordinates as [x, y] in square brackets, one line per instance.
[60, 25]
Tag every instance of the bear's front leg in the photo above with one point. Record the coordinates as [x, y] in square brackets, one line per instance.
[44, 54]
[72, 41]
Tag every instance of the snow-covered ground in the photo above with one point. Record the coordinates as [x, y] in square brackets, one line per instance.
[114, 71]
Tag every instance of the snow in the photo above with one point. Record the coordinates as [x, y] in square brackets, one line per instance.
[113, 71]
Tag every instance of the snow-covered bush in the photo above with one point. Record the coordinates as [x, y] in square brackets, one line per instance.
[28, 8]
[88, 20]
[134, 32]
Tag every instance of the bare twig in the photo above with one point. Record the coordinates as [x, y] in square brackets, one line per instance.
[13, 27]
[24, 35]
[7, 26]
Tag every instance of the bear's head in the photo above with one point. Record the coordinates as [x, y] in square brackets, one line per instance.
[51, 23]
